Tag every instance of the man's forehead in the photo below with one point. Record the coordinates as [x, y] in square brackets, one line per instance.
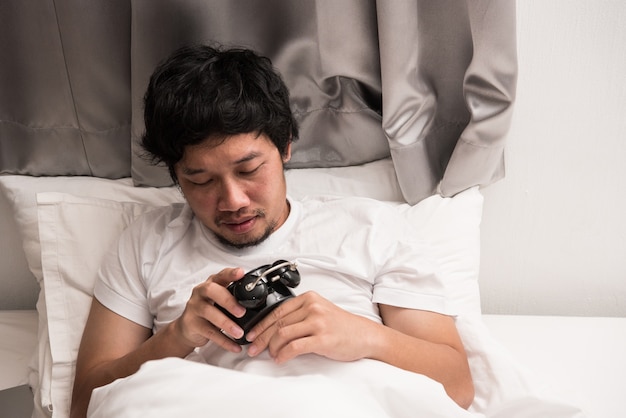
[233, 150]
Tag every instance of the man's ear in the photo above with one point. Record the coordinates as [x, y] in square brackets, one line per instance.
[287, 153]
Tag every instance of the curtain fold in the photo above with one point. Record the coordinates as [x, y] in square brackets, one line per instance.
[429, 83]
[489, 86]
[326, 50]
[448, 71]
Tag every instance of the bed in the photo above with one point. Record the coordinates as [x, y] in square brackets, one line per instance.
[427, 145]
[59, 216]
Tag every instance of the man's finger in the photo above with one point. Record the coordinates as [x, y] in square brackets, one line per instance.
[226, 276]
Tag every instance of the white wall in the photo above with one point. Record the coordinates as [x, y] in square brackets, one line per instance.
[554, 231]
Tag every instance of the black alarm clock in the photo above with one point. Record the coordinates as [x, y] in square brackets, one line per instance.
[260, 291]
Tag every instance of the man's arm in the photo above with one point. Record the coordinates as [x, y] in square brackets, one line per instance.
[427, 343]
[419, 341]
[113, 347]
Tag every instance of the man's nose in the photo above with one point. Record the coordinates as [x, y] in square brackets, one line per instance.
[233, 196]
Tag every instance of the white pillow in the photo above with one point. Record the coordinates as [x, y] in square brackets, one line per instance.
[376, 180]
[21, 192]
[75, 233]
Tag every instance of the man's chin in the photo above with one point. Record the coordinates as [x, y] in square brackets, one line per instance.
[244, 241]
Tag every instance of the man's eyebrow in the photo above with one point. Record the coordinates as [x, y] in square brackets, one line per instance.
[248, 157]
[192, 171]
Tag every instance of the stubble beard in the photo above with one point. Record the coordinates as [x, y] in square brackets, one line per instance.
[246, 243]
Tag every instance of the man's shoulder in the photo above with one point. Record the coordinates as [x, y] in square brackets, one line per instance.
[337, 201]
[160, 217]
[355, 208]
[170, 211]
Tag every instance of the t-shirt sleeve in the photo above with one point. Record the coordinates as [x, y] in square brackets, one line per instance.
[409, 276]
[120, 285]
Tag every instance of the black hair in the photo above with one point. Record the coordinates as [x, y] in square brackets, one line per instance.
[203, 92]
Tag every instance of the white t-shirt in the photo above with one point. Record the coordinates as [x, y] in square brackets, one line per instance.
[355, 252]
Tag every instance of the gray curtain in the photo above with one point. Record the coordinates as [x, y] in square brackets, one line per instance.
[64, 87]
[430, 83]
[449, 72]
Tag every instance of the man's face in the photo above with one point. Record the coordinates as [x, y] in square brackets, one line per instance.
[236, 187]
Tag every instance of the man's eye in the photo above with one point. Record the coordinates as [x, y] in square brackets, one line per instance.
[201, 183]
[249, 172]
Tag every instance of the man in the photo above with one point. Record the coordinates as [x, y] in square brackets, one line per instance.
[220, 120]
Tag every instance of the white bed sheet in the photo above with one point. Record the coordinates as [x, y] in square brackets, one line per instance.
[582, 359]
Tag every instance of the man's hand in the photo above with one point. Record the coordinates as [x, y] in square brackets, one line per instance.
[310, 324]
[202, 322]
[113, 346]
[419, 341]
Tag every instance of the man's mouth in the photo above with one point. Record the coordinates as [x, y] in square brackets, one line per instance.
[239, 226]
[242, 230]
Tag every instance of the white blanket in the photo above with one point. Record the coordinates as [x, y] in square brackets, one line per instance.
[308, 386]
[366, 388]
